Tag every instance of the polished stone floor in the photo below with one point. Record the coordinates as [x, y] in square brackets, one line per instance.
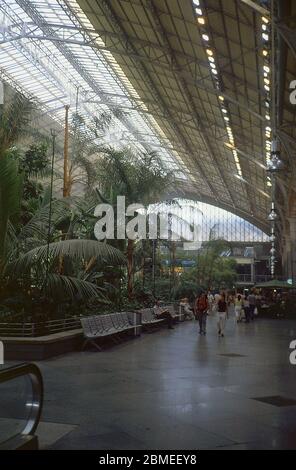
[173, 390]
[176, 390]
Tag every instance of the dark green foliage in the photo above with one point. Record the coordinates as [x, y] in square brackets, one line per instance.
[187, 289]
[35, 160]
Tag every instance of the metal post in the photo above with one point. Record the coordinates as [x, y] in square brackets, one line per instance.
[53, 135]
[66, 187]
[153, 265]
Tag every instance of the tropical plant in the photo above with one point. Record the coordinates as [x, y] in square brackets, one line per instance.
[10, 192]
[186, 288]
[33, 257]
[35, 237]
[15, 116]
[140, 177]
[14, 119]
[212, 270]
[86, 141]
[35, 161]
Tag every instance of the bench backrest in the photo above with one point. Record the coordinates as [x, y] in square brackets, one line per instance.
[107, 322]
[147, 314]
[104, 323]
[118, 320]
[124, 319]
[91, 325]
[170, 309]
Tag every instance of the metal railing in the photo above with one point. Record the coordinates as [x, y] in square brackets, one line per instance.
[33, 329]
[33, 403]
[248, 278]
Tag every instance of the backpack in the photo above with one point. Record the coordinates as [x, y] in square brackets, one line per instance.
[202, 304]
[222, 306]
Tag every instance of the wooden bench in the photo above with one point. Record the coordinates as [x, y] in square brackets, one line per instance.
[111, 325]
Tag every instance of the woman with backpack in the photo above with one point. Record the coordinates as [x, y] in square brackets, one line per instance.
[201, 311]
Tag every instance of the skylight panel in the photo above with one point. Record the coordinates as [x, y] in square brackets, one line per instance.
[42, 68]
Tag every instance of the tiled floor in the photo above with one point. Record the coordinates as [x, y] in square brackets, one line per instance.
[177, 390]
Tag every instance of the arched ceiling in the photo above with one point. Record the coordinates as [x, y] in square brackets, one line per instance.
[159, 47]
[191, 75]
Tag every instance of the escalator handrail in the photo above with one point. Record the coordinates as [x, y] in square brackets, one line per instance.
[36, 403]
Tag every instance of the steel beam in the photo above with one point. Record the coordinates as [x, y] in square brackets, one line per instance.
[288, 35]
[258, 8]
[161, 31]
[199, 82]
[109, 12]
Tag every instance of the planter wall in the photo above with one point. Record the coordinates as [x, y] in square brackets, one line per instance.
[44, 347]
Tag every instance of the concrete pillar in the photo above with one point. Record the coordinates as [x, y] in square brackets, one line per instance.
[253, 271]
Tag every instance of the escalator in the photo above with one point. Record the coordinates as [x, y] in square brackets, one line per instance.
[21, 399]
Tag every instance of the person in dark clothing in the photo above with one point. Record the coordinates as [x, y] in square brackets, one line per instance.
[222, 315]
[201, 310]
[252, 305]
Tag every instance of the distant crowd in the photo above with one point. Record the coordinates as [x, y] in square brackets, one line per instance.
[243, 306]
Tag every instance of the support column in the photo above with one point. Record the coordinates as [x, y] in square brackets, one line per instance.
[253, 271]
[292, 253]
[286, 255]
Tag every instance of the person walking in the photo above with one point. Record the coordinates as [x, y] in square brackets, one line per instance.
[217, 297]
[222, 315]
[246, 307]
[201, 311]
[238, 306]
[211, 301]
[231, 304]
[252, 304]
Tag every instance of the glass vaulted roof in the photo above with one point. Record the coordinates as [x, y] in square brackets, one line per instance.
[44, 51]
[186, 74]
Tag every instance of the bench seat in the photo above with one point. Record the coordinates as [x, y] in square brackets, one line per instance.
[110, 325]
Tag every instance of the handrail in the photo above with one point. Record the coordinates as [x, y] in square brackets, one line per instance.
[36, 403]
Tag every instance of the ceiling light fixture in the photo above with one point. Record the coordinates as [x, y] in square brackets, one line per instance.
[217, 84]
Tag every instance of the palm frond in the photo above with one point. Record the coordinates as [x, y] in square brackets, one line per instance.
[63, 287]
[74, 249]
[87, 166]
[14, 120]
[10, 187]
[38, 225]
[11, 233]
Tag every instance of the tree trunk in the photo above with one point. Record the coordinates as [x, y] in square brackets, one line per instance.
[90, 264]
[130, 268]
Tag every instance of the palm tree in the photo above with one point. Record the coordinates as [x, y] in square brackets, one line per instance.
[33, 253]
[140, 177]
[86, 141]
[29, 252]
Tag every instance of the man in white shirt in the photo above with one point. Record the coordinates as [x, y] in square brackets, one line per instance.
[211, 301]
